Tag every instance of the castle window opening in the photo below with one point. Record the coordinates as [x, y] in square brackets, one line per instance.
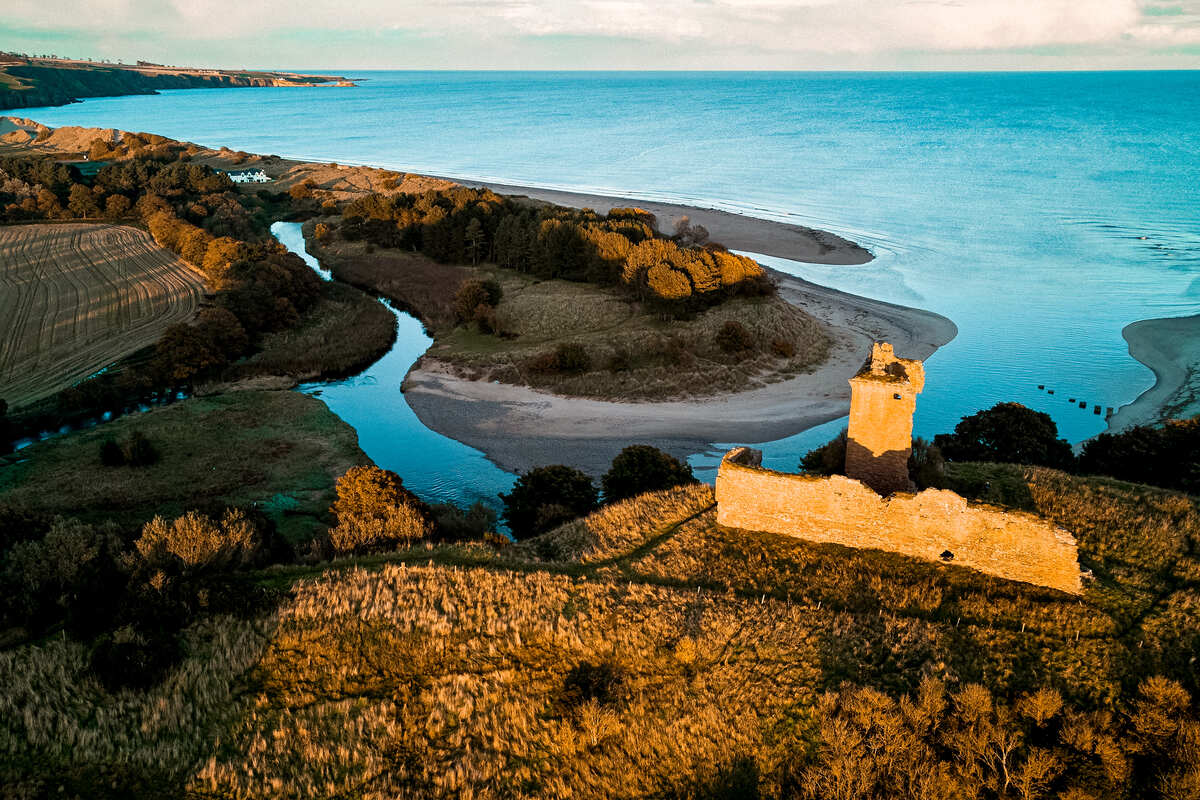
[947, 555]
[897, 396]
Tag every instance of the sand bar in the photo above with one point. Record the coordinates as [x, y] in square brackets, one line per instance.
[519, 428]
[735, 231]
[1170, 347]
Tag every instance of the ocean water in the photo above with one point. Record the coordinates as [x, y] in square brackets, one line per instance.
[1040, 212]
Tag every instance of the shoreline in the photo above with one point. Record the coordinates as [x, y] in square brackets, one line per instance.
[735, 231]
[1170, 348]
[519, 428]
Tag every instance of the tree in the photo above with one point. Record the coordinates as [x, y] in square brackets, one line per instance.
[198, 542]
[374, 511]
[82, 202]
[545, 498]
[1168, 455]
[475, 238]
[641, 468]
[474, 298]
[828, 459]
[116, 206]
[1007, 433]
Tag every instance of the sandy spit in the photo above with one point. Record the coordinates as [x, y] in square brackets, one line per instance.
[735, 231]
[519, 428]
[1170, 347]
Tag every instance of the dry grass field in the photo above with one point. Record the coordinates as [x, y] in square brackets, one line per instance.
[76, 297]
[646, 652]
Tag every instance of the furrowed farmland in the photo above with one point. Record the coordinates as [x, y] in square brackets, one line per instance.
[77, 297]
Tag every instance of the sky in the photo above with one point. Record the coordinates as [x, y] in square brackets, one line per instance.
[614, 34]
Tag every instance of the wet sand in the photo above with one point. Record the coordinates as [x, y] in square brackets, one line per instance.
[1170, 347]
[519, 428]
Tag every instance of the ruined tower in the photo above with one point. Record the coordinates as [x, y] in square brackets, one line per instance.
[883, 396]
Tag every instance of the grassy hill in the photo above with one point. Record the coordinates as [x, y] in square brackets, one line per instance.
[646, 652]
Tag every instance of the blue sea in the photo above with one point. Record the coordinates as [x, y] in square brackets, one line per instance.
[1042, 212]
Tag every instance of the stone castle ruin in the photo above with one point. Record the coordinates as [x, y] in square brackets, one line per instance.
[875, 506]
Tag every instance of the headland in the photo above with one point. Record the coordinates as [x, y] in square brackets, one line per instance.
[1170, 347]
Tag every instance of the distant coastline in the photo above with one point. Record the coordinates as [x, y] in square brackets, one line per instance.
[1170, 347]
[30, 82]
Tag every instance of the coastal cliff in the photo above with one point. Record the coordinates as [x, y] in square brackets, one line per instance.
[33, 82]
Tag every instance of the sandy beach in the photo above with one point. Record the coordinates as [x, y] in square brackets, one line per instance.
[519, 428]
[735, 231]
[1170, 347]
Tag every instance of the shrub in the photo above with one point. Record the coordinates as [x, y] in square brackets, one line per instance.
[589, 681]
[641, 468]
[1165, 456]
[926, 467]
[1007, 433]
[783, 348]
[321, 231]
[828, 459]
[545, 497]
[127, 658]
[473, 294]
[454, 524]
[111, 454]
[733, 337]
[138, 451]
[374, 511]
[572, 357]
[197, 542]
[621, 360]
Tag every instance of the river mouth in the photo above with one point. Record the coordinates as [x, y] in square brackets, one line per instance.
[436, 467]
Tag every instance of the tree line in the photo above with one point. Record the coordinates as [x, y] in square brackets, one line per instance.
[257, 286]
[622, 248]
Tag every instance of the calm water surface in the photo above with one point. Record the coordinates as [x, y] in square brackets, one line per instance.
[1041, 212]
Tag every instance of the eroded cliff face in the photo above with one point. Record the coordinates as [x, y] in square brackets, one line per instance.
[935, 525]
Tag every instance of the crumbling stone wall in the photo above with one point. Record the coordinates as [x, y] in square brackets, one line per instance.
[935, 525]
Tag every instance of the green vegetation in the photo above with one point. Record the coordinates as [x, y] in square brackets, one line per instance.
[546, 497]
[1168, 455]
[1007, 433]
[640, 468]
[279, 450]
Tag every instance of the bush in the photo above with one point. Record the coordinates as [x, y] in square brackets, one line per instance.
[733, 337]
[374, 511]
[128, 659]
[111, 454]
[454, 524]
[1166, 456]
[926, 467]
[587, 681]
[195, 541]
[828, 459]
[783, 348]
[639, 469]
[1007, 433]
[572, 357]
[475, 298]
[546, 497]
[139, 452]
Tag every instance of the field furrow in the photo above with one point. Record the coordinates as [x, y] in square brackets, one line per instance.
[76, 297]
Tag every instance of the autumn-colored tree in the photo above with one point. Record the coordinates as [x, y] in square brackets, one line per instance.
[197, 542]
[117, 206]
[374, 511]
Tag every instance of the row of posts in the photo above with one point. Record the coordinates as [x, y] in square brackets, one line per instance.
[1096, 408]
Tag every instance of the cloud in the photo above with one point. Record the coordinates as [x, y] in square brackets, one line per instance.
[734, 32]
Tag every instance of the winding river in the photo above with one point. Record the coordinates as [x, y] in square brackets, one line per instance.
[437, 468]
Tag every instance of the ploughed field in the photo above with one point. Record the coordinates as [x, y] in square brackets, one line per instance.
[76, 297]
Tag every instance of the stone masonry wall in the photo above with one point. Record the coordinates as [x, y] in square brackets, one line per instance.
[1012, 545]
